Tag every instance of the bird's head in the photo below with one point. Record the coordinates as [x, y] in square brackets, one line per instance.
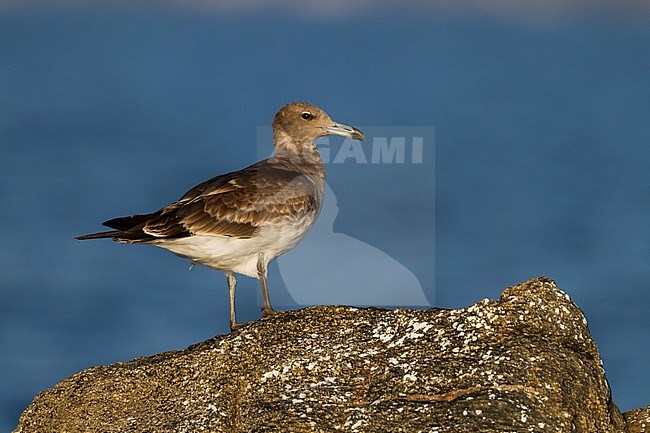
[300, 124]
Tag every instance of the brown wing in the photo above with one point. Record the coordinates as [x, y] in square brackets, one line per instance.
[236, 204]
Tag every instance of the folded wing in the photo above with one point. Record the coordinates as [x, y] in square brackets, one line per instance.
[235, 205]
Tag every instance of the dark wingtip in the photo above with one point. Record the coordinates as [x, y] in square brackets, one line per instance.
[101, 235]
[127, 223]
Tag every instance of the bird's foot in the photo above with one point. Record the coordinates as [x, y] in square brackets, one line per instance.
[234, 326]
[267, 311]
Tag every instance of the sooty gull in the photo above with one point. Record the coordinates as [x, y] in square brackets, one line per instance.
[239, 222]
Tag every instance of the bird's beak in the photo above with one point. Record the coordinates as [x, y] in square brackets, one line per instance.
[345, 131]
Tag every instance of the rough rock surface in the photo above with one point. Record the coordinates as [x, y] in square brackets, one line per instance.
[638, 420]
[524, 363]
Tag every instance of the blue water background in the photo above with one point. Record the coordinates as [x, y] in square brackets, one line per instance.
[542, 134]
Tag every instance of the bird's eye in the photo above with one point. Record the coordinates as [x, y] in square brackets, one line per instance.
[306, 115]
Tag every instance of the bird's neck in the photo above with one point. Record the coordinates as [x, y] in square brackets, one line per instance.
[302, 154]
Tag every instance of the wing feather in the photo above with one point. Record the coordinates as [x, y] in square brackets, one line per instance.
[237, 204]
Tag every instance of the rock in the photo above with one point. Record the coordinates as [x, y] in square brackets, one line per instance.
[524, 363]
[638, 420]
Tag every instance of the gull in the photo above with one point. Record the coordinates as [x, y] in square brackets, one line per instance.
[239, 222]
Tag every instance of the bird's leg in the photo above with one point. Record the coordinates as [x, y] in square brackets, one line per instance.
[261, 273]
[232, 282]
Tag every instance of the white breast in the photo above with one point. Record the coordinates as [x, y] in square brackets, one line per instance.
[240, 255]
